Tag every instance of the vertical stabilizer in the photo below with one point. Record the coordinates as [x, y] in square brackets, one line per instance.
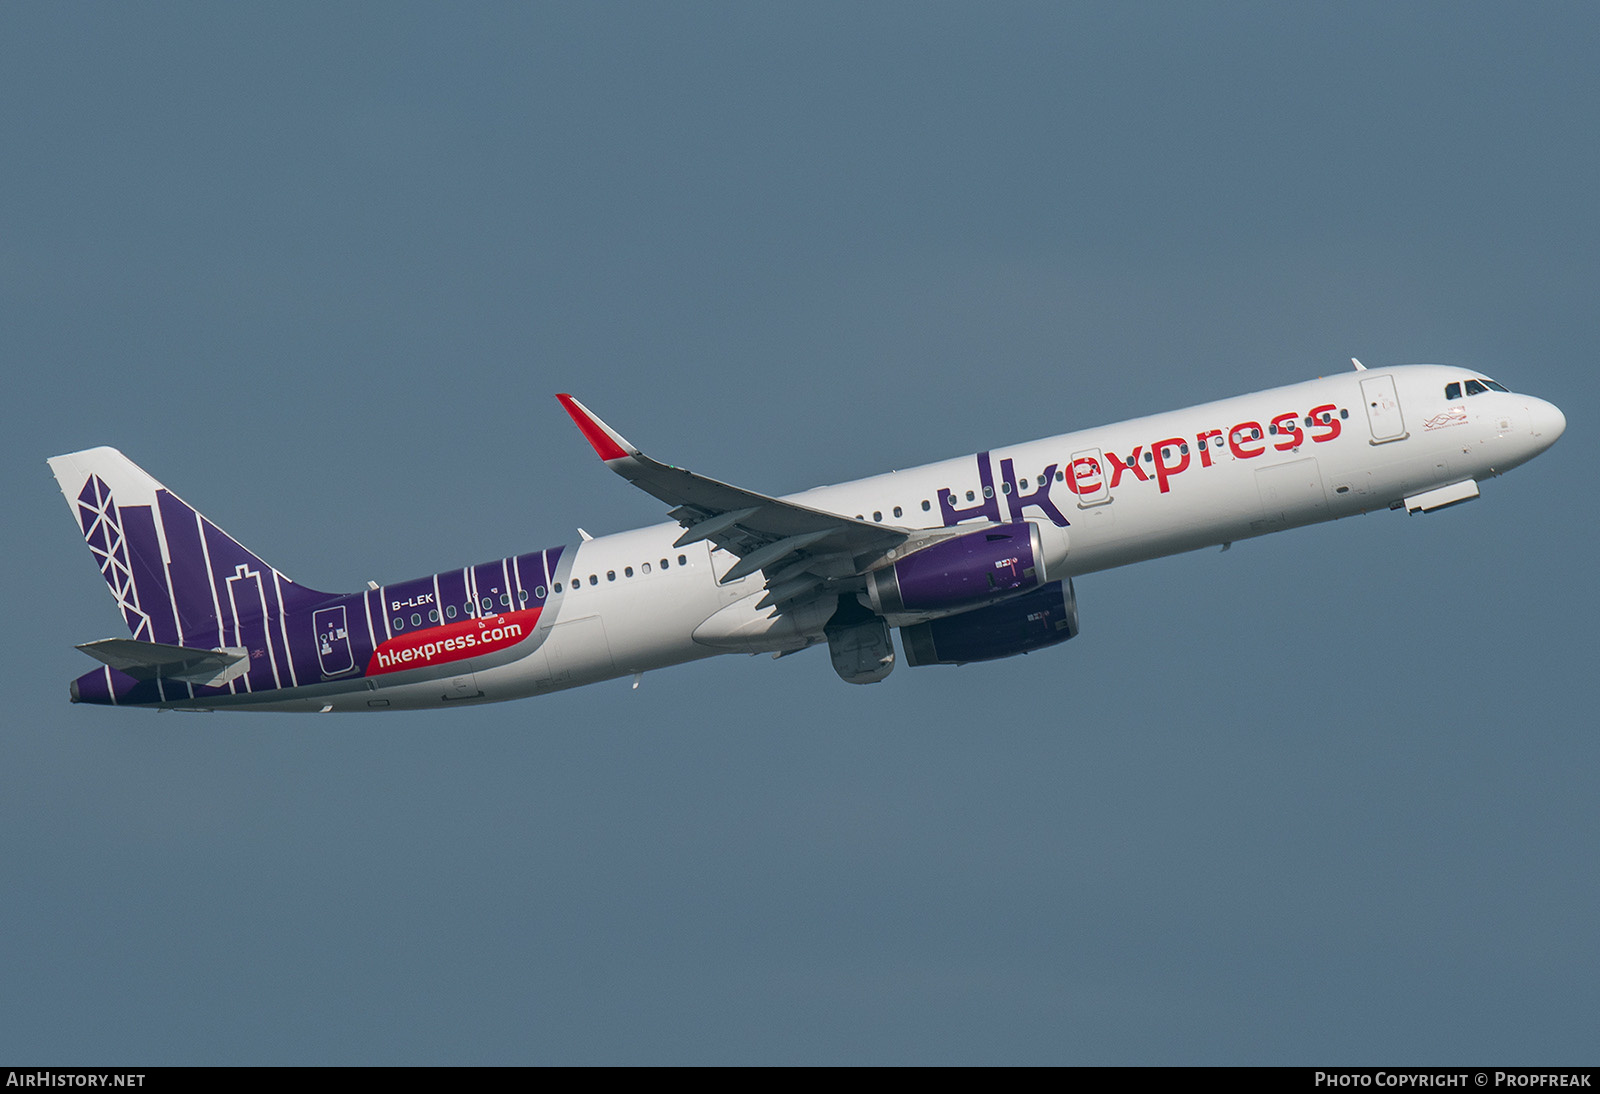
[177, 578]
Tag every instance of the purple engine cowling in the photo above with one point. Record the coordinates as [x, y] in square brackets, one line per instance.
[1032, 621]
[970, 569]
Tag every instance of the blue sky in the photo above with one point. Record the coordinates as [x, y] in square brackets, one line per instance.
[1325, 798]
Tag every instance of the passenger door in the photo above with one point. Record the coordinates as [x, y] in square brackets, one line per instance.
[1383, 410]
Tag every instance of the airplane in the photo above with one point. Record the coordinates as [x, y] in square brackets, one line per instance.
[971, 559]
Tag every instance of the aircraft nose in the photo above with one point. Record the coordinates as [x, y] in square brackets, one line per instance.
[1548, 422]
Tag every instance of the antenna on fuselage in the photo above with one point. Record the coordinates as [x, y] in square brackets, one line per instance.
[1359, 366]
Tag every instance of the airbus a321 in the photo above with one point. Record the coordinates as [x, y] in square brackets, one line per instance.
[972, 559]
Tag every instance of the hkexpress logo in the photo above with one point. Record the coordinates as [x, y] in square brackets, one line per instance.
[1161, 462]
[452, 642]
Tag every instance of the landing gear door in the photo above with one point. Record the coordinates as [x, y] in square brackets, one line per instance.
[1383, 410]
[1088, 478]
[333, 641]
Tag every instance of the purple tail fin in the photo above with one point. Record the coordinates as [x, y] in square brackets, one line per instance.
[178, 578]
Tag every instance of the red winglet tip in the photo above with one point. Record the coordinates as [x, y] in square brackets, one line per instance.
[596, 434]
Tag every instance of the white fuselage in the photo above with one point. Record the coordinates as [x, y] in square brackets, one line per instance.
[1198, 477]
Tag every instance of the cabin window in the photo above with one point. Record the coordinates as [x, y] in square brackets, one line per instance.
[611, 575]
[416, 619]
[973, 497]
[683, 560]
[925, 505]
[539, 592]
[1148, 458]
[594, 579]
[399, 624]
[988, 492]
[1061, 476]
[449, 611]
[1005, 487]
[1184, 448]
[1344, 413]
[627, 571]
[645, 568]
[558, 586]
[433, 615]
[877, 515]
[505, 600]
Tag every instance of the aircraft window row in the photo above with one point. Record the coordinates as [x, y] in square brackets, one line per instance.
[988, 491]
[486, 605]
[627, 571]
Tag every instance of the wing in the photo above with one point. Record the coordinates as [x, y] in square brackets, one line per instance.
[800, 550]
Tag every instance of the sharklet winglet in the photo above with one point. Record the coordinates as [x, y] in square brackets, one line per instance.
[607, 442]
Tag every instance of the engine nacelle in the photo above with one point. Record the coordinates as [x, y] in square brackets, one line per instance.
[970, 569]
[1032, 621]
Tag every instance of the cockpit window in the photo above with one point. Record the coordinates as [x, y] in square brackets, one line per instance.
[1498, 387]
[1452, 391]
[1476, 387]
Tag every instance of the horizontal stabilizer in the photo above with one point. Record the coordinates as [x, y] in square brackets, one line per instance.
[153, 660]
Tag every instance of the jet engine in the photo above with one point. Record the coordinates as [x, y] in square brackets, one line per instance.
[968, 570]
[1036, 619]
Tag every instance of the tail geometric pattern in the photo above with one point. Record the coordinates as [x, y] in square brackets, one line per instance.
[102, 529]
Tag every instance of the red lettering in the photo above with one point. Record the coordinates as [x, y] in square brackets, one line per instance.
[1172, 445]
[1322, 417]
[1118, 467]
[1287, 427]
[1242, 433]
[1204, 441]
[1086, 476]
